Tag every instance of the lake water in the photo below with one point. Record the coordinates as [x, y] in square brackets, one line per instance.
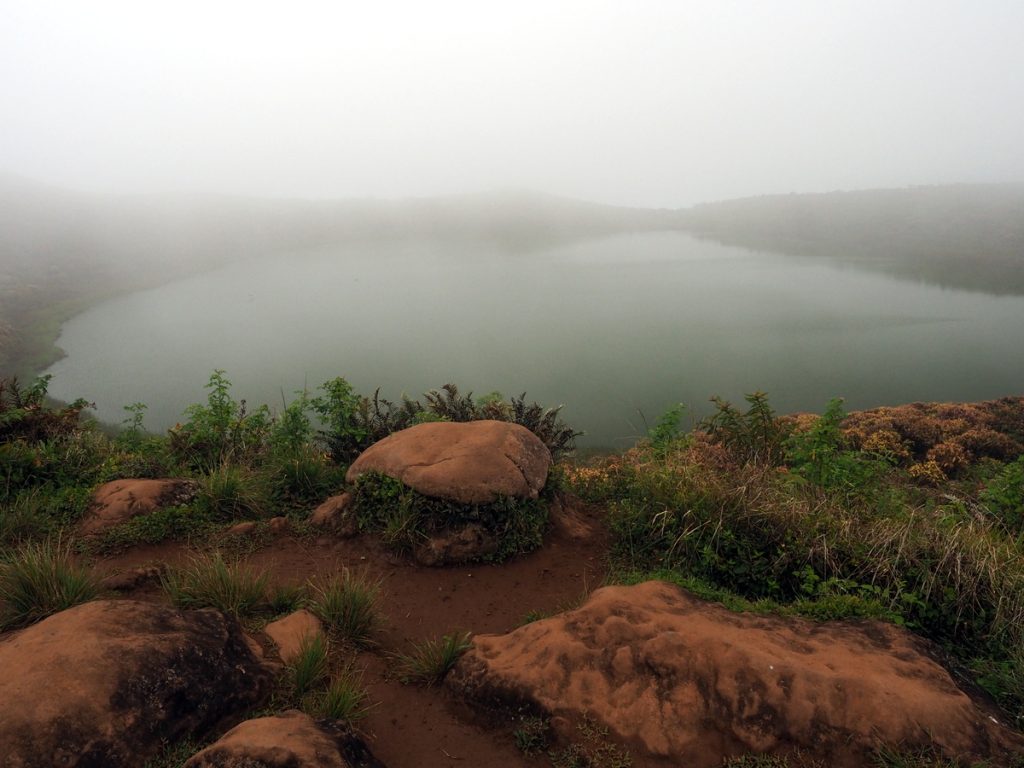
[617, 329]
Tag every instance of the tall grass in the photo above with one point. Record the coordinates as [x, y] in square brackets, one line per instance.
[40, 579]
[349, 604]
[429, 661]
[344, 699]
[208, 581]
[310, 666]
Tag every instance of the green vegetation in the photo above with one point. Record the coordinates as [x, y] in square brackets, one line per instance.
[209, 581]
[40, 579]
[404, 518]
[310, 667]
[826, 518]
[429, 661]
[344, 699]
[349, 604]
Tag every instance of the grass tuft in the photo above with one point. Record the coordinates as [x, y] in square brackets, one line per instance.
[349, 604]
[431, 660]
[310, 667]
[211, 582]
[345, 699]
[40, 579]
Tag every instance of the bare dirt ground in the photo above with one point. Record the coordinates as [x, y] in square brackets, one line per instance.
[410, 726]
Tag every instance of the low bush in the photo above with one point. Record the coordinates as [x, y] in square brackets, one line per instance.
[404, 517]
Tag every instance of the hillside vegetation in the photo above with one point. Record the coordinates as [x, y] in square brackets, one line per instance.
[912, 515]
[962, 236]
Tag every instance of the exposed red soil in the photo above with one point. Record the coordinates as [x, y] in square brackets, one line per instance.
[409, 726]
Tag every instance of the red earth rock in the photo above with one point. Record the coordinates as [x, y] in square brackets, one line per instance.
[290, 740]
[290, 632]
[335, 514]
[108, 682]
[471, 462]
[120, 500]
[676, 678]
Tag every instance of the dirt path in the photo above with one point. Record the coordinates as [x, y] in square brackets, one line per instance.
[409, 726]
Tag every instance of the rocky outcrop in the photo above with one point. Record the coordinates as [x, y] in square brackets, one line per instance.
[107, 682]
[291, 740]
[472, 462]
[120, 500]
[335, 515]
[292, 631]
[682, 679]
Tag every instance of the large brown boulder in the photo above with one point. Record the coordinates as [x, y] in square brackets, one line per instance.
[678, 678]
[120, 500]
[471, 462]
[105, 683]
[291, 740]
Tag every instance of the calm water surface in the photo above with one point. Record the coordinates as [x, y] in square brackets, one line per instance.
[617, 329]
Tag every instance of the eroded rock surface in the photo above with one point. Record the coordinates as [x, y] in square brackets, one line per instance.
[471, 462]
[291, 740]
[104, 683]
[292, 631]
[678, 678]
[335, 515]
[115, 502]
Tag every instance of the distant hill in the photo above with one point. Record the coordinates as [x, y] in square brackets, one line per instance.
[962, 236]
[61, 251]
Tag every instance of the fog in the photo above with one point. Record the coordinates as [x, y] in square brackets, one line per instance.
[659, 104]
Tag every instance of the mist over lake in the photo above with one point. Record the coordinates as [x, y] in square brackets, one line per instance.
[617, 328]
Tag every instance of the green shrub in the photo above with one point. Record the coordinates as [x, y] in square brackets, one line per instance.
[1004, 495]
[667, 430]
[429, 661]
[405, 517]
[221, 431]
[40, 579]
[208, 581]
[25, 416]
[755, 435]
[349, 604]
[822, 455]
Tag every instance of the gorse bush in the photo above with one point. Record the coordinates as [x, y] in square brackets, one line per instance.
[40, 579]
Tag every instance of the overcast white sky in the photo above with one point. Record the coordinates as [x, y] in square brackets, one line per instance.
[632, 102]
